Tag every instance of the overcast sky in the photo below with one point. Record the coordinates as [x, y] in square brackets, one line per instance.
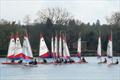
[84, 10]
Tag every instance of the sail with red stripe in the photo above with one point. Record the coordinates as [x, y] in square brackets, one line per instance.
[27, 51]
[11, 48]
[79, 47]
[18, 50]
[66, 53]
[43, 50]
[109, 47]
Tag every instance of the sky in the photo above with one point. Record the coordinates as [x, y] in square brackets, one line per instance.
[84, 10]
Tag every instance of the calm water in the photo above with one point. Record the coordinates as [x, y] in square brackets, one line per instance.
[90, 71]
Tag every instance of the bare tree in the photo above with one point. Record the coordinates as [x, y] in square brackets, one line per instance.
[27, 19]
[114, 19]
[57, 15]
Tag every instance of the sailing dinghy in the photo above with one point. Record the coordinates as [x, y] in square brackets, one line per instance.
[110, 50]
[79, 51]
[14, 50]
[27, 51]
[43, 50]
[99, 50]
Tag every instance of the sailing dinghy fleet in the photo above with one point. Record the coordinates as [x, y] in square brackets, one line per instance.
[59, 51]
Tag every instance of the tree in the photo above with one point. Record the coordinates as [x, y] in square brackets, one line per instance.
[57, 15]
[27, 19]
[98, 23]
[114, 19]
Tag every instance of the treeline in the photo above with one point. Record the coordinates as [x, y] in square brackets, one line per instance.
[72, 28]
[89, 33]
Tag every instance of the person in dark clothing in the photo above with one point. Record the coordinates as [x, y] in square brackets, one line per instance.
[12, 60]
[71, 60]
[61, 59]
[105, 60]
[44, 60]
[20, 61]
[31, 62]
[65, 61]
[83, 60]
[35, 62]
[117, 62]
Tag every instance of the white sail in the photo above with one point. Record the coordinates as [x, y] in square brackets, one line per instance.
[52, 47]
[109, 47]
[79, 47]
[60, 46]
[66, 53]
[18, 51]
[27, 51]
[43, 50]
[56, 47]
[99, 47]
[11, 48]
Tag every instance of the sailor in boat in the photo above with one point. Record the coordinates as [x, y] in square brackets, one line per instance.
[31, 62]
[35, 62]
[71, 60]
[65, 61]
[61, 60]
[12, 61]
[20, 61]
[83, 59]
[105, 60]
[117, 62]
[58, 60]
[44, 60]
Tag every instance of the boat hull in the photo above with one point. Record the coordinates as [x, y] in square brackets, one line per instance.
[10, 63]
[101, 63]
[81, 62]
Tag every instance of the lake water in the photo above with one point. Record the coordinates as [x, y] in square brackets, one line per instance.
[90, 71]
